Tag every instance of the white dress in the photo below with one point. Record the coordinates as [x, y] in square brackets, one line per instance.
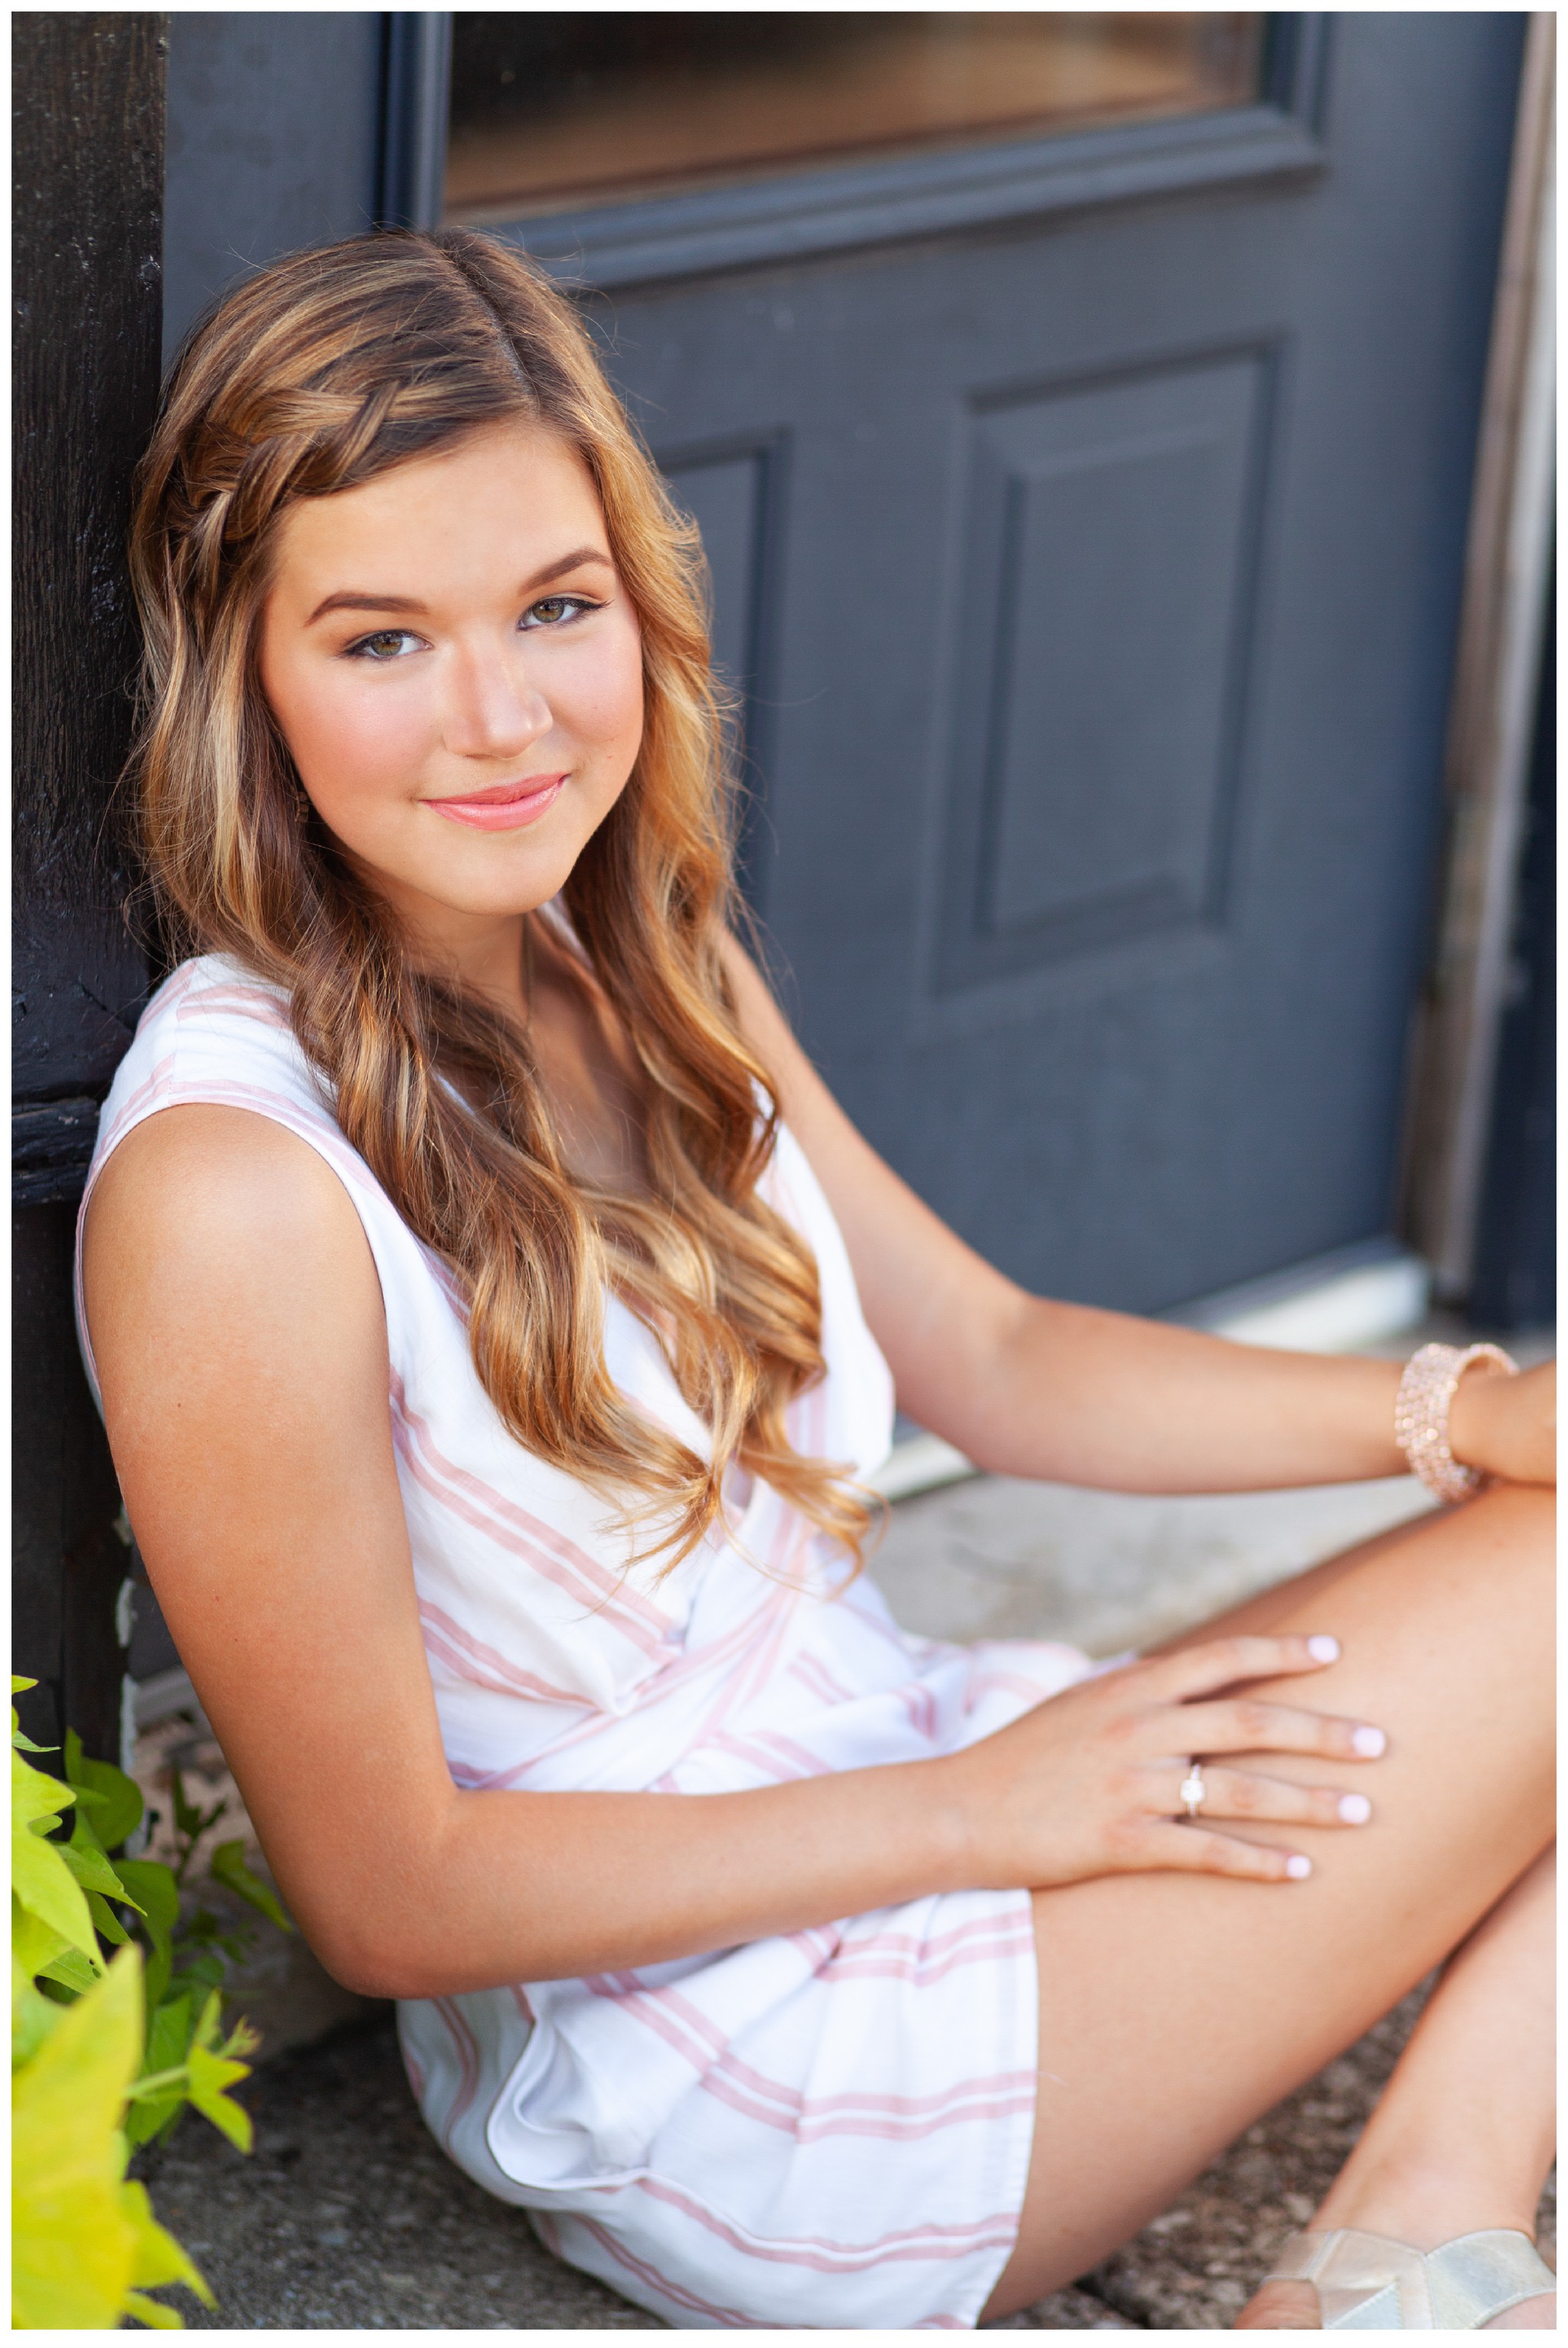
[828, 2128]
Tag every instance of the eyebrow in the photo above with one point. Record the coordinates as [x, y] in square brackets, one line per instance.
[359, 599]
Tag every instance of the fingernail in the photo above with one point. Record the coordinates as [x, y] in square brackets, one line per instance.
[1323, 1649]
[1297, 1868]
[1368, 1743]
[1355, 1810]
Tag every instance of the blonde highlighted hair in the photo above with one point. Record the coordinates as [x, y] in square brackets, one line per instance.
[317, 375]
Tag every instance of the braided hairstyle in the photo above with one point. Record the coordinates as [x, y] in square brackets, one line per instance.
[315, 376]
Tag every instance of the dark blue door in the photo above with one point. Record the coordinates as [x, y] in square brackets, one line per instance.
[1095, 577]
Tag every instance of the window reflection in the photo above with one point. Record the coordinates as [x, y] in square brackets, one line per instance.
[565, 109]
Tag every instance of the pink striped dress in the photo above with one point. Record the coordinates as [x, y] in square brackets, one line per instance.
[828, 2128]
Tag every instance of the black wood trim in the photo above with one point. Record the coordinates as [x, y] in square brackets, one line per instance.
[870, 203]
[51, 1145]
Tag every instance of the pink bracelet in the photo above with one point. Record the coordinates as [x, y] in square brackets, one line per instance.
[1421, 1415]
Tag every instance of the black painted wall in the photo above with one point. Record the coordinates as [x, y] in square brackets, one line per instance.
[88, 107]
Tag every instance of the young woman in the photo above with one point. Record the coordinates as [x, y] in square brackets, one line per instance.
[493, 1315]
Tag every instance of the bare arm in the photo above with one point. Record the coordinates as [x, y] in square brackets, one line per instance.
[240, 1341]
[1025, 1386]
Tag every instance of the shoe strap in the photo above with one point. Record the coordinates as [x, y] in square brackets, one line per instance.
[1368, 2282]
[1478, 2276]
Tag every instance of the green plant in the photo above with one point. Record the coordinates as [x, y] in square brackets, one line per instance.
[107, 2051]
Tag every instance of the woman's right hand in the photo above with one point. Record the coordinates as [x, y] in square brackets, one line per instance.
[1087, 1783]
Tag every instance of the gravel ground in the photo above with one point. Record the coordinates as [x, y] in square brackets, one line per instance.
[348, 2217]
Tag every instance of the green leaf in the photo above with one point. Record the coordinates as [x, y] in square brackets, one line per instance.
[33, 1944]
[71, 1970]
[227, 1865]
[84, 2244]
[160, 2261]
[42, 1883]
[152, 1885]
[152, 2312]
[152, 1889]
[74, 2246]
[208, 1969]
[24, 1743]
[32, 2016]
[170, 2030]
[117, 1808]
[106, 1923]
[35, 1796]
[85, 1858]
[155, 2115]
[213, 2073]
[242, 2041]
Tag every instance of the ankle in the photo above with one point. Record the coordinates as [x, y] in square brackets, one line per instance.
[1425, 2205]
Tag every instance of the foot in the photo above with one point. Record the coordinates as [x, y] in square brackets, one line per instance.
[1281, 2307]
[1288, 2306]
[1293, 2307]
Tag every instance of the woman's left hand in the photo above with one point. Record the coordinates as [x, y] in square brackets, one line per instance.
[1507, 1426]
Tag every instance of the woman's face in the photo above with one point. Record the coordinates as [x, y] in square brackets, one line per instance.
[457, 671]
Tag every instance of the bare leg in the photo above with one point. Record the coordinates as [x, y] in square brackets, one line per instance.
[1175, 2009]
[1463, 2136]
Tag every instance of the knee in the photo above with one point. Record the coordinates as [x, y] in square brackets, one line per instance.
[1502, 1548]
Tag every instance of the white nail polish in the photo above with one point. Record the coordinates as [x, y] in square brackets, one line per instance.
[1368, 1743]
[1297, 1868]
[1355, 1810]
[1323, 1649]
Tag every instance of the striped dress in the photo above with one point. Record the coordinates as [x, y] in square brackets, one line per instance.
[827, 2128]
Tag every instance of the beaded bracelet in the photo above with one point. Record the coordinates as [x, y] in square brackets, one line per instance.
[1421, 1415]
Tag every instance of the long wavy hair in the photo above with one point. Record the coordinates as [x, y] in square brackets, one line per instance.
[318, 374]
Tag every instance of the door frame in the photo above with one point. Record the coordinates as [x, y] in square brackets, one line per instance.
[1491, 743]
[801, 213]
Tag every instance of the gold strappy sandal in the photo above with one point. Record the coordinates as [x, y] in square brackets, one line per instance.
[1365, 2283]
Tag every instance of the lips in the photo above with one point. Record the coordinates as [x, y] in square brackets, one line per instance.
[503, 807]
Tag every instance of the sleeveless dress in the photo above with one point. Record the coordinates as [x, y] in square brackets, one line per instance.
[827, 2128]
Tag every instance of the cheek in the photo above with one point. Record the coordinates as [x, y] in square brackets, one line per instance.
[615, 713]
[344, 741]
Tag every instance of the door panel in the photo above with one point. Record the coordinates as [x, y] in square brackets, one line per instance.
[1098, 692]
[736, 494]
[1107, 578]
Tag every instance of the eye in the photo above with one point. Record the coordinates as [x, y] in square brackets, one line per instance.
[387, 645]
[556, 611]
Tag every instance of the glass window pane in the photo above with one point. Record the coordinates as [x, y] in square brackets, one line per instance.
[550, 111]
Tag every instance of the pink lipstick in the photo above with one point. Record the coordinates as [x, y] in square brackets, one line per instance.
[505, 807]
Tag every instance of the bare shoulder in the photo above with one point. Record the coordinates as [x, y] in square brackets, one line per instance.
[230, 1167]
[214, 1229]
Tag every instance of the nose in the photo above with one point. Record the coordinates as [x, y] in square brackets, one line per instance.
[493, 710]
